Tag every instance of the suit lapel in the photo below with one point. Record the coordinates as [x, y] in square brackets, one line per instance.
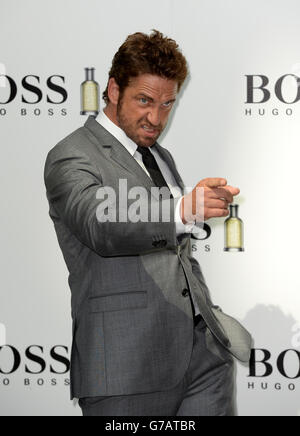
[167, 158]
[123, 158]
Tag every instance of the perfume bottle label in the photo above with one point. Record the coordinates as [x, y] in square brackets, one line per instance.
[90, 97]
[234, 234]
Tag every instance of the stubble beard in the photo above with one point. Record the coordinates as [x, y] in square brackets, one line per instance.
[130, 130]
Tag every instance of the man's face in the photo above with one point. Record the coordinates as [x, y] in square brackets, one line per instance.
[144, 109]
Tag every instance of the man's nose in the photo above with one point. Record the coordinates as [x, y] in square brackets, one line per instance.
[154, 117]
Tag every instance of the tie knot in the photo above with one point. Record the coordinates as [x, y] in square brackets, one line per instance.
[144, 151]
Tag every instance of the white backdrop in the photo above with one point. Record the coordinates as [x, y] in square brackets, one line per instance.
[223, 40]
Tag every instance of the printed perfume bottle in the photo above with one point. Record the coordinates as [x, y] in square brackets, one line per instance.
[234, 231]
[90, 94]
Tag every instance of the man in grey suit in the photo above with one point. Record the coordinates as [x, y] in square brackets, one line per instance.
[147, 339]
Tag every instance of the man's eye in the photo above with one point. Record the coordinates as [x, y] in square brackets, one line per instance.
[143, 100]
[167, 104]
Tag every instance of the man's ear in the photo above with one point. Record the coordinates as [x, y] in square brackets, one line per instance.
[113, 91]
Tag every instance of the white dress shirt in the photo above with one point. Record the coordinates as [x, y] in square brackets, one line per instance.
[131, 147]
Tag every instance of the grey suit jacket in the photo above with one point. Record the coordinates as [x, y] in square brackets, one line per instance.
[132, 322]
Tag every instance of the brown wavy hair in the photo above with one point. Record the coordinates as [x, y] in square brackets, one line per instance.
[143, 54]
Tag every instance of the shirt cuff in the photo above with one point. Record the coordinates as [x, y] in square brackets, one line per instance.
[180, 227]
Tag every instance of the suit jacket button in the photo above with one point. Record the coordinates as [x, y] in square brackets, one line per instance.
[185, 292]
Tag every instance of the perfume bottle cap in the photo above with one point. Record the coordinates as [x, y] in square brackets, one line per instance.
[90, 74]
[234, 209]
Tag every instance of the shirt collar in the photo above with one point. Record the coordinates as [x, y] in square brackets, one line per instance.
[117, 132]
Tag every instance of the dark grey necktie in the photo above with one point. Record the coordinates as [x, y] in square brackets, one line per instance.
[153, 168]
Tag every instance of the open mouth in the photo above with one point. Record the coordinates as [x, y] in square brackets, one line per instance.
[149, 131]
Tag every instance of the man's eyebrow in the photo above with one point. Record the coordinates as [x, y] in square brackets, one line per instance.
[141, 94]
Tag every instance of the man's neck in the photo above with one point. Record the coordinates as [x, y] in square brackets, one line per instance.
[111, 114]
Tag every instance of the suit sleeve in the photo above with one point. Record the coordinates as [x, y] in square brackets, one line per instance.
[75, 191]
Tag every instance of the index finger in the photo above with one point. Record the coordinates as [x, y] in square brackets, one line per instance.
[213, 182]
[227, 192]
